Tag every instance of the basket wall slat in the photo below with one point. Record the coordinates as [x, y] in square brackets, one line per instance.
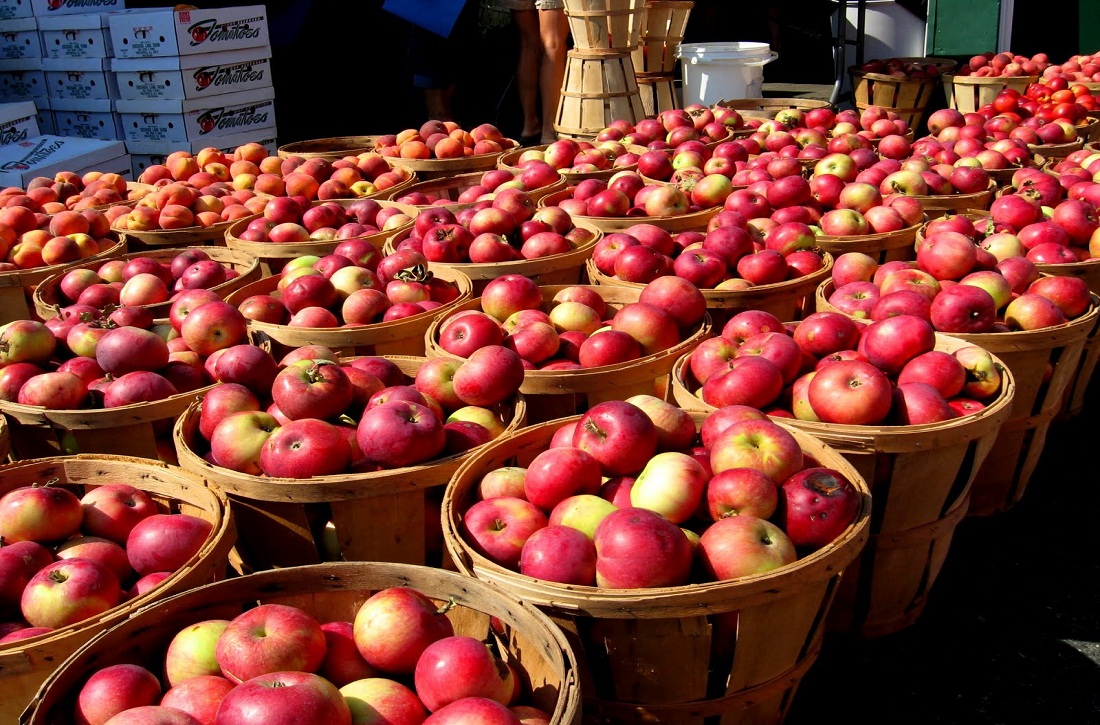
[969, 93]
[605, 26]
[597, 90]
[663, 26]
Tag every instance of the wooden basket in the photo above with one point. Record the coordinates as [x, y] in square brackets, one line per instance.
[451, 187]
[1003, 177]
[659, 92]
[1042, 363]
[524, 636]
[1090, 355]
[395, 337]
[967, 94]
[907, 97]
[789, 300]
[596, 90]
[26, 664]
[692, 221]
[884, 247]
[5, 440]
[273, 256]
[331, 148]
[509, 159]
[380, 516]
[729, 651]
[557, 393]
[211, 236]
[426, 169]
[1057, 151]
[141, 430]
[17, 287]
[920, 478]
[605, 26]
[568, 268]
[47, 297]
[937, 205]
[663, 25]
[768, 107]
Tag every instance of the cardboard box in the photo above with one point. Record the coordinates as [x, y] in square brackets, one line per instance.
[193, 76]
[192, 120]
[15, 9]
[22, 80]
[18, 121]
[44, 117]
[144, 154]
[186, 32]
[46, 8]
[79, 78]
[123, 165]
[75, 36]
[46, 155]
[19, 38]
[87, 118]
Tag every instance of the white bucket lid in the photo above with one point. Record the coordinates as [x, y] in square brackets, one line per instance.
[720, 51]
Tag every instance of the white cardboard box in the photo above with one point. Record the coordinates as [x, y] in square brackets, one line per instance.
[19, 38]
[46, 155]
[87, 118]
[75, 36]
[22, 79]
[144, 154]
[193, 76]
[191, 120]
[186, 32]
[18, 121]
[79, 78]
[45, 8]
[123, 165]
[15, 9]
[44, 117]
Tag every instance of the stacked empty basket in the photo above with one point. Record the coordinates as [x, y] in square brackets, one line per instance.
[600, 84]
[908, 97]
[663, 26]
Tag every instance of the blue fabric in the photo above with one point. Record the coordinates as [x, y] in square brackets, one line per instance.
[437, 16]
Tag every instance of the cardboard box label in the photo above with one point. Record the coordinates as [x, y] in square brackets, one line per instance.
[46, 155]
[18, 122]
[15, 9]
[93, 43]
[201, 76]
[71, 7]
[19, 38]
[20, 84]
[186, 32]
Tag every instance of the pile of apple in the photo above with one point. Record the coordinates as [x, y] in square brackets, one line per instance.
[29, 239]
[1083, 68]
[181, 205]
[352, 286]
[533, 175]
[312, 414]
[628, 194]
[995, 143]
[630, 495]
[671, 127]
[443, 140]
[80, 360]
[578, 156]
[901, 68]
[577, 329]
[1055, 118]
[1048, 220]
[72, 191]
[70, 554]
[1004, 64]
[506, 228]
[297, 220]
[141, 280]
[399, 660]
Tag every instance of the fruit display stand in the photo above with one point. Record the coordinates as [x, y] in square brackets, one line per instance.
[331, 148]
[920, 478]
[967, 94]
[378, 516]
[213, 235]
[555, 269]
[557, 393]
[1042, 363]
[524, 636]
[907, 97]
[937, 205]
[48, 298]
[273, 256]
[788, 300]
[17, 287]
[722, 651]
[26, 664]
[883, 247]
[404, 336]
[692, 221]
[450, 187]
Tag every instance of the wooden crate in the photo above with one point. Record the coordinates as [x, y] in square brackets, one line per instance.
[26, 664]
[663, 25]
[524, 636]
[907, 97]
[920, 478]
[395, 337]
[884, 247]
[596, 90]
[48, 300]
[557, 393]
[728, 651]
[605, 26]
[386, 515]
[967, 94]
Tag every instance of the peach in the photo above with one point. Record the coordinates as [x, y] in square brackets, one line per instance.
[317, 167]
[181, 194]
[239, 211]
[301, 184]
[154, 173]
[408, 134]
[414, 150]
[8, 238]
[240, 195]
[210, 155]
[363, 188]
[331, 189]
[450, 126]
[486, 146]
[53, 207]
[182, 167]
[208, 202]
[176, 216]
[449, 148]
[60, 250]
[98, 223]
[220, 171]
[371, 164]
[70, 177]
[86, 202]
[250, 151]
[255, 205]
[347, 174]
[68, 222]
[66, 190]
[88, 244]
[21, 200]
[243, 181]
[290, 163]
[141, 219]
[244, 166]
[115, 181]
[36, 236]
[115, 212]
[105, 196]
[391, 152]
[270, 184]
[462, 136]
[90, 176]
[199, 179]
[26, 255]
[271, 165]
[208, 218]
[42, 195]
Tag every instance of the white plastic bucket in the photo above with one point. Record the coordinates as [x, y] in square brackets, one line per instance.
[720, 71]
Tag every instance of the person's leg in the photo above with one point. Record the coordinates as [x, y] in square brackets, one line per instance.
[554, 31]
[527, 69]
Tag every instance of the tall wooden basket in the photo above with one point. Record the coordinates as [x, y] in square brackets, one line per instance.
[729, 651]
[907, 97]
[596, 90]
[663, 26]
[605, 26]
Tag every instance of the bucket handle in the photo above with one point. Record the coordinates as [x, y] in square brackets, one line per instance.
[772, 55]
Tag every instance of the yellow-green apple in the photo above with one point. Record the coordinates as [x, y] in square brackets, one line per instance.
[741, 492]
[285, 694]
[761, 444]
[638, 548]
[68, 591]
[483, 416]
[113, 689]
[42, 513]
[502, 481]
[238, 440]
[312, 389]
[560, 553]
[983, 376]
[582, 511]
[498, 527]
[816, 505]
[270, 638]
[738, 546]
[26, 341]
[400, 433]
[199, 696]
[394, 626]
[192, 651]
[675, 426]
[558, 473]
[577, 316]
[619, 435]
[166, 541]
[380, 700]
[852, 392]
[672, 483]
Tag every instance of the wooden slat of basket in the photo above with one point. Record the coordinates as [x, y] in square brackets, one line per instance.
[663, 25]
[969, 93]
[605, 26]
[597, 90]
[213, 235]
[332, 148]
[658, 93]
[937, 205]
[884, 247]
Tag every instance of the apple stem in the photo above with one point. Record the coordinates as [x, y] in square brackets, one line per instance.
[50, 482]
[447, 606]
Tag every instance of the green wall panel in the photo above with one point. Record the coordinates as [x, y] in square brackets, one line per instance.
[963, 27]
